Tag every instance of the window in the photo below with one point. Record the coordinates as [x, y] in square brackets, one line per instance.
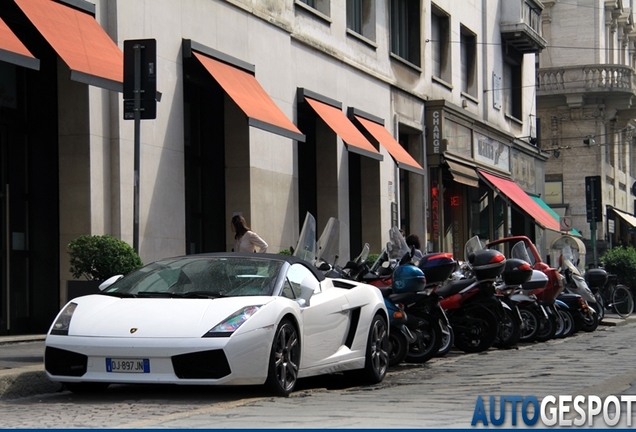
[321, 6]
[468, 53]
[361, 17]
[440, 45]
[298, 273]
[405, 30]
[632, 150]
[611, 142]
[512, 84]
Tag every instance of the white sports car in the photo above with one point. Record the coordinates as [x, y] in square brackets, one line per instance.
[221, 318]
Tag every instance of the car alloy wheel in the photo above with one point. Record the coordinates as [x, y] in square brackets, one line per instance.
[377, 358]
[284, 359]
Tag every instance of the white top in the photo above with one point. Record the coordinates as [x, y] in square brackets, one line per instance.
[250, 242]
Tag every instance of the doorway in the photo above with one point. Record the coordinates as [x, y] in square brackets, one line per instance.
[29, 219]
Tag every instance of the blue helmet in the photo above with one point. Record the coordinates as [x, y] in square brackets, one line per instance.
[408, 278]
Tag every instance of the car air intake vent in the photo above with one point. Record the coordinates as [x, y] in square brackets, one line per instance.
[201, 365]
[64, 363]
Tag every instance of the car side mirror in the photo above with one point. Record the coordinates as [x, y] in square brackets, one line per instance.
[307, 289]
[108, 282]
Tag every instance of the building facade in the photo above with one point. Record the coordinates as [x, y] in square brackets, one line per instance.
[418, 113]
[585, 94]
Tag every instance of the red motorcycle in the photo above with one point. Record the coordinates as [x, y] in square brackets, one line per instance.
[470, 304]
[563, 311]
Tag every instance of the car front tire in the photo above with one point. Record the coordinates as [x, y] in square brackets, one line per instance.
[284, 359]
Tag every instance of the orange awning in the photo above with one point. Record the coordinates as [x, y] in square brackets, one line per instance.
[248, 94]
[79, 40]
[342, 126]
[401, 157]
[13, 51]
[524, 201]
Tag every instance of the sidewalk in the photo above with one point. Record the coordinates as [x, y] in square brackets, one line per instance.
[22, 368]
[22, 363]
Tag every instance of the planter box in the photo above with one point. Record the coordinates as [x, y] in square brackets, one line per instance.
[78, 288]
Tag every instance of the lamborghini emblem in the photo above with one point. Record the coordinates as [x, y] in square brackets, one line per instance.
[132, 330]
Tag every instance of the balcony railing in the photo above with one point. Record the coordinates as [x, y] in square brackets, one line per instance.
[521, 25]
[589, 78]
[532, 16]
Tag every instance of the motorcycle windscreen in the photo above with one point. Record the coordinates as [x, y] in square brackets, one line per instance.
[306, 247]
[473, 245]
[333, 244]
[520, 251]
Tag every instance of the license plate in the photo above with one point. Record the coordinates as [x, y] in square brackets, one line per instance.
[128, 365]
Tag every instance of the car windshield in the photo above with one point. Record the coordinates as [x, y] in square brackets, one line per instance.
[200, 277]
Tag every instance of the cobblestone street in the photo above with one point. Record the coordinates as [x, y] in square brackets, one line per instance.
[441, 393]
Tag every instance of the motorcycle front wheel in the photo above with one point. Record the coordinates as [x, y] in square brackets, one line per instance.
[475, 329]
[509, 330]
[568, 323]
[398, 347]
[547, 328]
[590, 322]
[447, 338]
[529, 325]
[428, 339]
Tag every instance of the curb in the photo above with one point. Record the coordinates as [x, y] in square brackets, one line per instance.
[26, 381]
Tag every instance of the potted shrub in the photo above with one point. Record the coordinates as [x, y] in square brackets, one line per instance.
[95, 258]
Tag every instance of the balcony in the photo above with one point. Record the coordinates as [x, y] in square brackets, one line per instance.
[521, 25]
[601, 78]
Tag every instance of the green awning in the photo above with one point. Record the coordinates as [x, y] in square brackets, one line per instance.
[554, 214]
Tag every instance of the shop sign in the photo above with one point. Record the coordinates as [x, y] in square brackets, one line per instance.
[436, 145]
[491, 152]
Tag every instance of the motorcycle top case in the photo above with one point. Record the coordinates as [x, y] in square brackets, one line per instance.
[437, 266]
[487, 264]
[516, 272]
[596, 278]
[538, 280]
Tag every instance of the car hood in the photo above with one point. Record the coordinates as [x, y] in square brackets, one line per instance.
[105, 316]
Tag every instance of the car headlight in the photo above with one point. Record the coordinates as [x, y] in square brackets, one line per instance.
[230, 324]
[63, 321]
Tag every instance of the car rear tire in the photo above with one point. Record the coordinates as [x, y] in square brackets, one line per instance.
[284, 359]
[377, 352]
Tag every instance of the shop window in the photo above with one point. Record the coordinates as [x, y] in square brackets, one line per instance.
[361, 18]
[405, 30]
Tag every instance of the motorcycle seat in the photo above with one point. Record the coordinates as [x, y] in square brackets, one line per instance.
[454, 287]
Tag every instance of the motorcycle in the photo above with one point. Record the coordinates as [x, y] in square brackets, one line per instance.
[548, 295]
[575, 284]
[472, 309]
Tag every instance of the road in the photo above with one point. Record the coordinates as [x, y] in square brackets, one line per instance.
[440, 393]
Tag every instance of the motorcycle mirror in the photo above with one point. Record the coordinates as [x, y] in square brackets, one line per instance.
[351, 265]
